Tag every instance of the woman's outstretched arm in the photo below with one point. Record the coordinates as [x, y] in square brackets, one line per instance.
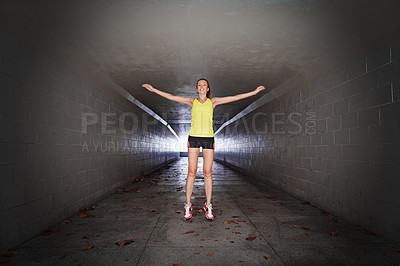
[169, 96]
[222, 100]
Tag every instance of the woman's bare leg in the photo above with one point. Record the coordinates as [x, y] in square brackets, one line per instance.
[193, 156]
[208, 158]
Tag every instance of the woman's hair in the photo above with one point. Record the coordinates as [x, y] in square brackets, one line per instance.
[208, 85]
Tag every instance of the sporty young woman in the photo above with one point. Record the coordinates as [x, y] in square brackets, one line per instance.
[201, 134]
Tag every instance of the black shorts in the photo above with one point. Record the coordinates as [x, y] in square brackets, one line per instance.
[197, 142]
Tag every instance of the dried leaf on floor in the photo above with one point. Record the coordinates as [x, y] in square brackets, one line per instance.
[196, 253]
[86, 246]
[204, 227]
[387, 254]
[189, 232]
[229, 222]
[209, 254]
[271, 197]
[228, 238]
[124, 242]
[241, 196]
[241, 221]
[301, 227]
[137, 190]
[48, 232]
[137, 208]
[333, 233]
[90, 208]
[88, 236]
[180, 264]
[65, 222]
[251, 237]
[151, 211]
[84, 215]
[252, 209]
[106, 246]
[296, 238]
[305, 202]
[331, 219]
[269, 257]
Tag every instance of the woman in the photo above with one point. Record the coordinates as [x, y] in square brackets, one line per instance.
[201, 134]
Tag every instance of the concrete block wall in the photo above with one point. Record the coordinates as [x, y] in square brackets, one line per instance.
[335, 143]
[51, 164]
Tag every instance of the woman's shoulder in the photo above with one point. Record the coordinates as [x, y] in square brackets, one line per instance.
[191, 101]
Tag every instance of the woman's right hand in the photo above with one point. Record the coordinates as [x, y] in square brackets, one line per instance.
[259, 88]
[148, 87]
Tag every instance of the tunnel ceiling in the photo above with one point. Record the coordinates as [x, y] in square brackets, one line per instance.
[236, 45]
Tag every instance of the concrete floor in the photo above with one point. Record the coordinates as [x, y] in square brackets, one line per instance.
[287, 231]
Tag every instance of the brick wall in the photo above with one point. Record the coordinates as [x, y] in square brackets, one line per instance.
[49, 166]
[335, 143]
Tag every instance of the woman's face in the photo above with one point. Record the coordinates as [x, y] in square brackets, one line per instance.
[202, 86]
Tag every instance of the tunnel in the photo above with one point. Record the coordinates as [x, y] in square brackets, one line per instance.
[94, 166]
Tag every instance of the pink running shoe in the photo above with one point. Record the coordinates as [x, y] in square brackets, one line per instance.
[188, 212]
[208, 212]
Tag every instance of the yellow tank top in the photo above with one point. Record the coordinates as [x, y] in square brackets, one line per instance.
[202, 119]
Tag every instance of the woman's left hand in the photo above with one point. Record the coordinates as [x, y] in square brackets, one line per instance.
[259, 88]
